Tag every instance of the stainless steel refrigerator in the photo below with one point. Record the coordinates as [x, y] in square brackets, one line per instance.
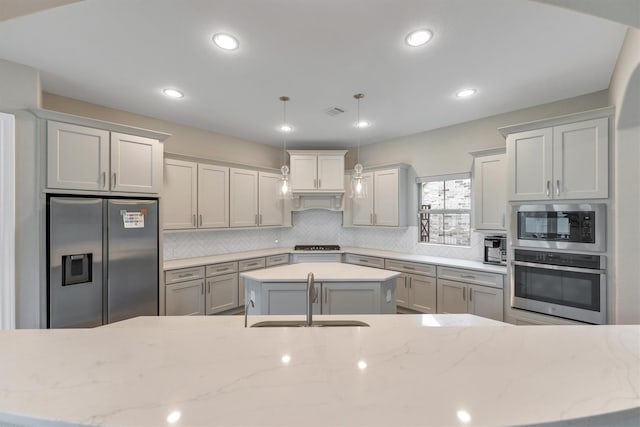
[102, 259]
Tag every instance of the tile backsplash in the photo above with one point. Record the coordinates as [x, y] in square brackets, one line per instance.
[311, 227]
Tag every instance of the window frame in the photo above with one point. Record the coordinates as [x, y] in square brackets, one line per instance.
[443, 178]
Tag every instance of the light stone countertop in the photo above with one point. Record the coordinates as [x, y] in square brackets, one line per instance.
[209, 370]
[235, 256]
[322, 272]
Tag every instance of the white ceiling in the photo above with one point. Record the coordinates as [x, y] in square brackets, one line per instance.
[122, 53]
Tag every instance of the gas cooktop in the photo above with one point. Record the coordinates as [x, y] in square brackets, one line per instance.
[316, 247]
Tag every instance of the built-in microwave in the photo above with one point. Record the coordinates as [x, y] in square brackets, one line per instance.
[579, 227]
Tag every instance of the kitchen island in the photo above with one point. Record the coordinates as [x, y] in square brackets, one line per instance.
[402, 370]
[340, 289]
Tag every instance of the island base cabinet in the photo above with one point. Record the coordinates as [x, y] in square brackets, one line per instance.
[282, 298]
[222, 293]
[185, 298]
[361, 298]
[285, 298]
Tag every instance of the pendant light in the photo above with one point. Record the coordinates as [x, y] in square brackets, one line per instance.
[284, 188]
[358, 183]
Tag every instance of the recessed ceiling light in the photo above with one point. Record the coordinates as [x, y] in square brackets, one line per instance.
[363, 124]
[286, 128]
[173, 93]
[418, 38]
[465, 93]
[225, 41]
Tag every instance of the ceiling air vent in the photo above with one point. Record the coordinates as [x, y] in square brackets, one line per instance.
[334, 111]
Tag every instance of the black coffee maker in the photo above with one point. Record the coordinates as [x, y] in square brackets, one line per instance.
[495, 250]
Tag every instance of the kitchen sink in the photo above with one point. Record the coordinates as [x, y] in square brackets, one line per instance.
[303, 323]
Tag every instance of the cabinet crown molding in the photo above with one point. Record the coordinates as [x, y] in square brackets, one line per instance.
[99, 124]
[559, 120]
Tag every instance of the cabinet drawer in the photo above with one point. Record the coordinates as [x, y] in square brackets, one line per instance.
[223, 268]
[367, 261]
[471, 276]
[277, 260]
[410, 267]
[251, 264]
[174, 276]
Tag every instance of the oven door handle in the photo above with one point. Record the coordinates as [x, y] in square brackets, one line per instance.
[559, 267]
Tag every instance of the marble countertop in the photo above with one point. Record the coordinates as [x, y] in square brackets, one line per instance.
[449, 262]
[322, 272]
[207, 371]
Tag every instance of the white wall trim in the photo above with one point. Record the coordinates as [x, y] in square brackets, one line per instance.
[7, 222]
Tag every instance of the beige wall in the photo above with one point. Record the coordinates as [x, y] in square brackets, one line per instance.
[185, 140]
[625, 94]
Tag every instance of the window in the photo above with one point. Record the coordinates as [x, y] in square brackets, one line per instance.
[445, 209]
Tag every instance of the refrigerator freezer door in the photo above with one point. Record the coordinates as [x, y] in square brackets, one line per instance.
[132, 243]
[75, 262]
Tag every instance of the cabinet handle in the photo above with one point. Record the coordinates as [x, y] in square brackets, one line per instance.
[200, 220]
[409, 268]
[557, 187]
[104, 179]
[260, 219]
[256, 219]
[467, 276]
[464, 294]
[315, 183]
[326, 291]
[375, 219]
[470, 294]
[319, 183]
[185, 275]
[371, 218]
[252, 264]
[114, 180]
[222, 269]
[503, 224]
[364, 260]
[548, 188]
[410, 280]
[193, 220]
[202, 288]
[208, 287]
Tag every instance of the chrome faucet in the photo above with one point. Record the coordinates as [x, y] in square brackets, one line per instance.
[312, 296]
[246, 310]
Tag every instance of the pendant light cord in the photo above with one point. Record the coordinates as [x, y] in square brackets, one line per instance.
[284, 100]
[358, 97]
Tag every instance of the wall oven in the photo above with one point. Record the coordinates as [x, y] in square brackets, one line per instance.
[579, 227]
[560, 284]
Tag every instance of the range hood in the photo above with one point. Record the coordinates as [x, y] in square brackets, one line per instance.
[332, 201]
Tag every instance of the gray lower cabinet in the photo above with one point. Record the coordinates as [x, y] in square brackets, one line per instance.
[184, 291]
[352, 298]
[185, 298]
[465, 291]
[332, 298]
[416, 286]
[222, 293]
[287, 298]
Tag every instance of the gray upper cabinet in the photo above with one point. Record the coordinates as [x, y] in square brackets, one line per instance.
[560, 162]
[136, 164]
[88, 159]
[77, 157]
[490, 191]
[317, 171]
